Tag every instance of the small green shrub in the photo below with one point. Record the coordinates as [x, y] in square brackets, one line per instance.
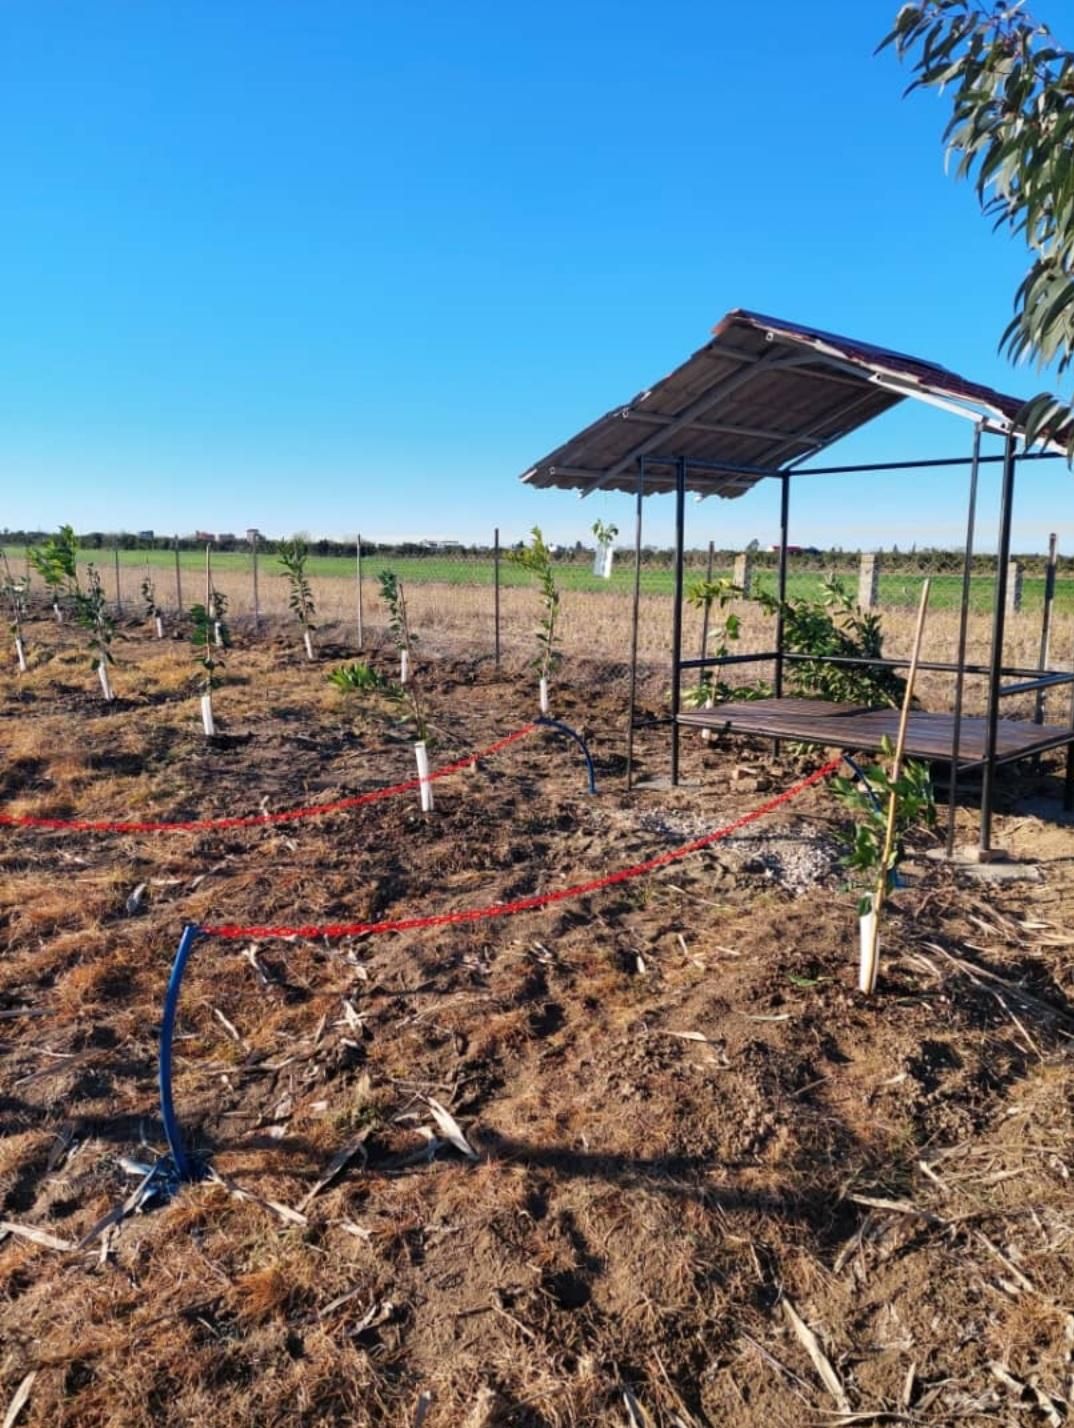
[357, 678]
[57, 564]
[835, 625]
[711, 689]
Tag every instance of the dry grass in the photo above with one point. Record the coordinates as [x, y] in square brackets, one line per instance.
[639, 1202]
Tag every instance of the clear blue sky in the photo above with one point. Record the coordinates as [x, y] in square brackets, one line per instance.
[325, 265]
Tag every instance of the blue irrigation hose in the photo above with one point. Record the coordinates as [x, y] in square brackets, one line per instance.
[184, 1167]
[860, 776]
[548, 723]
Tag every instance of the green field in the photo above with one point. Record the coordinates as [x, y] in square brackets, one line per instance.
[897, 589]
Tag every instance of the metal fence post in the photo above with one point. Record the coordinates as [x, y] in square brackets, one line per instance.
[358, 586]
[252, 533]
[178, 580]
[119, 592]
[496, 592]
[701, 674]
[1046, 622]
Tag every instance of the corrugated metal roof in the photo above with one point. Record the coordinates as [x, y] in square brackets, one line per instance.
[762, 394]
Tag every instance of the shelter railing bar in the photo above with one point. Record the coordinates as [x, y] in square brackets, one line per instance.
[934, 666]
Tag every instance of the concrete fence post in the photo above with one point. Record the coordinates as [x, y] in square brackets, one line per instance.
[744, 572]
[1014, 587]
[869, 582]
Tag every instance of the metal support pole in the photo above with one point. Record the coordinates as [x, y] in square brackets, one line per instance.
[1068, 785]
[358, 586]
[178, 580]
[963, 627]
[496, 594]
[705, 616]
[676, 625]
[1046, 623]
[257, 597]
[781, 578]
[999, 619]
[634, 627]
[119, 592]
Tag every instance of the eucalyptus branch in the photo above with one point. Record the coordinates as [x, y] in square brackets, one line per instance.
[1011, 132]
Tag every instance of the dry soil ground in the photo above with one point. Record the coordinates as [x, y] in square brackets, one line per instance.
[711, 1183]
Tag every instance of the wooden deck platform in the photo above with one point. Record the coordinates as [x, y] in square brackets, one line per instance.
[855, 727]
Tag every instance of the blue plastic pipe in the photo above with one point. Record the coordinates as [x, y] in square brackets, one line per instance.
[184, 1167]
[561, 728]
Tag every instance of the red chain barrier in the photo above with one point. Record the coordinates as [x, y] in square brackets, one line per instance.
[525, 904]
[258, 820]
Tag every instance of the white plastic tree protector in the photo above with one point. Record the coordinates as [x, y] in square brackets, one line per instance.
[421, 753]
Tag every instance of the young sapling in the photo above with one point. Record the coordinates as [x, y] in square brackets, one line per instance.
[16, 593]
[209, 637]
[391, 592]
[57, 564]
[292, 556]
[92, 613]
[537, 559]
[149, 599]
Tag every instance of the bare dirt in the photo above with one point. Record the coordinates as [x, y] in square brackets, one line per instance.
[710, 1183]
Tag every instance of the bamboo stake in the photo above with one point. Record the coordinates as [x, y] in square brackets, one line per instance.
[871, 960]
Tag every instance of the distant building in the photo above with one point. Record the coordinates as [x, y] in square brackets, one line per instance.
[204, 536]
[441, 544]
[146, 535]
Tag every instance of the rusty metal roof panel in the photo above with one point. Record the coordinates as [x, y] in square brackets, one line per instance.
[763, 394]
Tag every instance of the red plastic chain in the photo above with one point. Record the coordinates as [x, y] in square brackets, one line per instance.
[525, 904]
[257, 820]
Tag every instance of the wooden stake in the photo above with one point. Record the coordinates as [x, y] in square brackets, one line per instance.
[871, 962]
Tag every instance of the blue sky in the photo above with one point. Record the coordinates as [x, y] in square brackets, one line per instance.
[339, 265]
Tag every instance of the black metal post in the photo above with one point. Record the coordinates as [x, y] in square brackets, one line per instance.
[257, 592]
[705, 614]
[358, 588]
[178, 580]
[634, 626]
[963, 627]
[496, 594]
[676, 626]
[119, 591]
[1046, 623]
[781, 578]
[999, 621]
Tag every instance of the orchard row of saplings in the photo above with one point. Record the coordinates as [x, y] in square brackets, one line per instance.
[79, 599]
[885, 806]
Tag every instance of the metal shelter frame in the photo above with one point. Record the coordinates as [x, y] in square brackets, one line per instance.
[726, 400]
[1028, 680]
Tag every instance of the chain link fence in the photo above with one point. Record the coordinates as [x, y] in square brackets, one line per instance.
[477, 596]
